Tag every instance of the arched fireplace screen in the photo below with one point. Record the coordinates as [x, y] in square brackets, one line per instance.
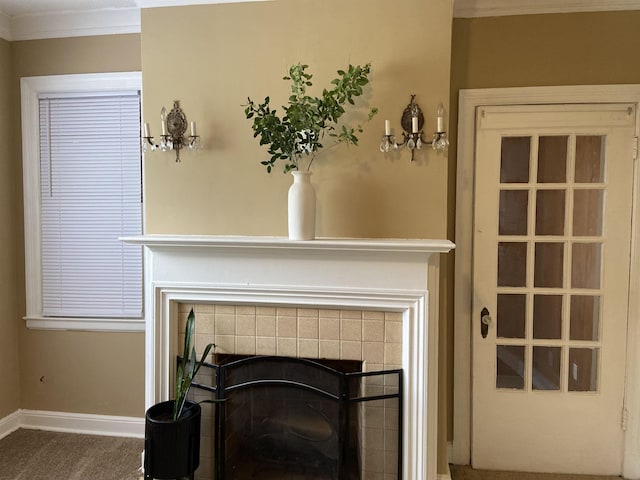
[290, 418]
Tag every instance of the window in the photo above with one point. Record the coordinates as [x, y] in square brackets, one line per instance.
[82, 191]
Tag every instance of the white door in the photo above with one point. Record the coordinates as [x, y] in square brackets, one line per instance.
[552, 229]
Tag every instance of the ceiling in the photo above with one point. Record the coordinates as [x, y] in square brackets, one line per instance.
[13, 8]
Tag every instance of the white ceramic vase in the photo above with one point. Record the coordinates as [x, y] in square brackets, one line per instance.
[302, 207]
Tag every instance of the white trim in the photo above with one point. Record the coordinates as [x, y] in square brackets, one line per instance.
[469, 101]
[106, 425]
[5, 26]
[9, 424]
[74, 24]
[497, 8]
[30, 88]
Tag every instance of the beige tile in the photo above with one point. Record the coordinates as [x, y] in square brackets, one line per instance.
[329, 328]
[226, 309]
[373, 352]
[352, 314]
[391, 441]
[350, 350]
[373, 438]
[393, 316]
[373, 331]
[351, 329]
[225, 324]
[265, 326]
[205, 323]
[372, 315]
[308, 312]
[246, 345]
[245, 310]
[287, 347]
[182, 322]
[390, 463]
[308, 348]
[373, 458]
[201, 342]
[246, 325]
[308, 327]
[265, 345]
[225, 344]
[393, 332]
[204, 308]
[286, 312]
[329, 349]
[185, 307]
[328, 313]
[391, 417]
[371, 367]
[392, 353]
[287, 327]
[266, 311]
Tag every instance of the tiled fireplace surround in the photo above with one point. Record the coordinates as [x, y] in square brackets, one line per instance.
[368, 300]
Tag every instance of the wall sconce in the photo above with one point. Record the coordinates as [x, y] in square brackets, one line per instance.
[412, 123]
[174, 126]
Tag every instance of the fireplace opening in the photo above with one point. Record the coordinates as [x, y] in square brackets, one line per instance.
[293, 418]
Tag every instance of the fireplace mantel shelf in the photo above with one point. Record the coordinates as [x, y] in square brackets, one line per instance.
[353, 244]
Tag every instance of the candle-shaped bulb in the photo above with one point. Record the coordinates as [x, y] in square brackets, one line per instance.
[387, 127]
[414, 124]
[440, 118]
[146, 130]
[193, 129]
[163, 120]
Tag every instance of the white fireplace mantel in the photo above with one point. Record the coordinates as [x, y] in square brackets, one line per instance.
[370, 274]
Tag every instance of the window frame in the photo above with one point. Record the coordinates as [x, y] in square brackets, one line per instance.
[30, 89]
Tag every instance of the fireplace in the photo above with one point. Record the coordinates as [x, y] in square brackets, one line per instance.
[375, 280]
[293, 418]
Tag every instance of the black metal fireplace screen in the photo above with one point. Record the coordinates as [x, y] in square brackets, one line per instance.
[286, 417]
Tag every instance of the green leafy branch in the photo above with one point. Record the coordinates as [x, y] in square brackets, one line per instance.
[307, 120]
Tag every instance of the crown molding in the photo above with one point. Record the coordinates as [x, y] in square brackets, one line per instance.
[5, 26]
[182, 3]
[498, 8]
[74, 24]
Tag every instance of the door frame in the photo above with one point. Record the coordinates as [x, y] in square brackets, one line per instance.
[469, 101]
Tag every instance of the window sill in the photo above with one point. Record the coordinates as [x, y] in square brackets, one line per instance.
[86, 324]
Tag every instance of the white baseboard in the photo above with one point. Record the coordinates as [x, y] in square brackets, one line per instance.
[108, 425]
[9, 424]
[447, 474]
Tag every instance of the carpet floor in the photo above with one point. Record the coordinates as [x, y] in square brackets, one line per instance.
[40, 455]
[459, 472]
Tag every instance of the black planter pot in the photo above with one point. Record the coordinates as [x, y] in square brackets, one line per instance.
[171, 448]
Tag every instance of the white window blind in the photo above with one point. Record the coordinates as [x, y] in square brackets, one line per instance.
[90, 194]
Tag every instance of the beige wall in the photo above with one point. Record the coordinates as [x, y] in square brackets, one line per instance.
[213, 57]
[100, 373]
[536, 50]
[9, 373]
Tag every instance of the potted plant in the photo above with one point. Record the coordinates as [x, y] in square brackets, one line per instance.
[172, 427]
[307, 122]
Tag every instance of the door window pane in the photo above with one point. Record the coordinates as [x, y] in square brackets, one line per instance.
[589, 159]
[510, 366]
[512, 264]
[587, 212]
[547, 316]
[513, 212]
[583, 369]
[511, 315]
[584, 317]
[546, 368]
[514, 159]
[552, 159]
[550, 212]
[548, 265]
[585, 266]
